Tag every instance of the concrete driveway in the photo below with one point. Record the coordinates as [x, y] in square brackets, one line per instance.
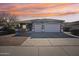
[43, 47]
[49, 35]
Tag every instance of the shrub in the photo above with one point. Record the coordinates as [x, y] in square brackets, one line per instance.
[75, 31]
[8, 30]
[66, 29]
[11, 31]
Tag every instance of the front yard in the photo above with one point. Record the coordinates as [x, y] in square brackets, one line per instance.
[11, 40]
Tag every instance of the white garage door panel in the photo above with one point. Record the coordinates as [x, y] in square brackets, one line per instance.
[38, 27]
[52, 27]
[47, 27]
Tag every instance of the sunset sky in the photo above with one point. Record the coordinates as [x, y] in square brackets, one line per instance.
[52, 10]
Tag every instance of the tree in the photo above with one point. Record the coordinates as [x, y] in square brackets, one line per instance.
[7, 19]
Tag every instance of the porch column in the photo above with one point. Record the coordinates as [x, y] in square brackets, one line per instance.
[61, 28]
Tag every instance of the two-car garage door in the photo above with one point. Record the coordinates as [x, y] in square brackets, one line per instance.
[52, 27]
[47, 27]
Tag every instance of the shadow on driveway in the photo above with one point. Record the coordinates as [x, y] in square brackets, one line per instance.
[48, 35]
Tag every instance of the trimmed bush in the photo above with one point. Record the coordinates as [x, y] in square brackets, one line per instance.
[75, 32]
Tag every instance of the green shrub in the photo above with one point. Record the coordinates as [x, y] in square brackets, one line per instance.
[66, 29]
[8, 30]
[75, 32]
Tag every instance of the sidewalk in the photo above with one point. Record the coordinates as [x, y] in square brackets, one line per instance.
[39, 51]
[51, 42]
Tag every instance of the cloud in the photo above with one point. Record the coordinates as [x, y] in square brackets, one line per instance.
[41, 10]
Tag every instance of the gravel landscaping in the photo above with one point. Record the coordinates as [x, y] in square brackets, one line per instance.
[11, 40]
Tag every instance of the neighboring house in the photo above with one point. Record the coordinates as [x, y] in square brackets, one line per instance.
[42, 25]
[75, 25]
[72, 25]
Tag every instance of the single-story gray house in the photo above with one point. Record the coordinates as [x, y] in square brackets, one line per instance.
[42, 25]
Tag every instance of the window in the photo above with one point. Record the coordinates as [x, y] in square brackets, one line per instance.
[24, 26]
